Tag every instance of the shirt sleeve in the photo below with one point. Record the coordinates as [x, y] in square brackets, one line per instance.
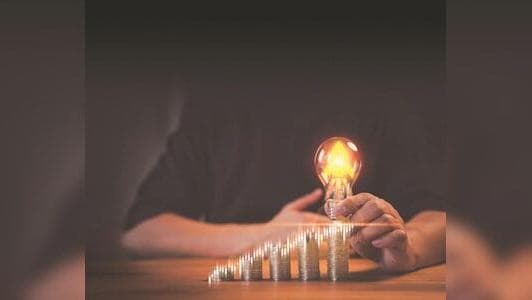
[411, 172]
[176, 184]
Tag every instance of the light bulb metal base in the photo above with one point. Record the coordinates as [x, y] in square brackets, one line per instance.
[330, 206]
[336, 191]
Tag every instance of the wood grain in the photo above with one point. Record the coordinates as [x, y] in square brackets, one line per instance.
[184, 278]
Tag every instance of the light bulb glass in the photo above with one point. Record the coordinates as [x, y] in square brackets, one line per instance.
[337, 162]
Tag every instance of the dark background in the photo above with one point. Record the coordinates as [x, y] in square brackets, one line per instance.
[489, 70]
[43, 211]
[144, 60]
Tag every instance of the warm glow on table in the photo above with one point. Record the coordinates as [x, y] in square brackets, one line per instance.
[185, 279]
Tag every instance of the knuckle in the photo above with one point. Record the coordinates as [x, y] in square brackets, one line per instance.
[386, 218]
[350, 198]
[372, 204]
[366, 195]
[400, 235]
[349, 202]
[376, 205]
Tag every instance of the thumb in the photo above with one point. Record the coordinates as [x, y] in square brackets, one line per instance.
[305, 200]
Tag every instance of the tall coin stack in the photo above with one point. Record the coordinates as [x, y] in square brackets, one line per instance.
[279, 262]
[309, 257]
[338, 252]
[251, 267]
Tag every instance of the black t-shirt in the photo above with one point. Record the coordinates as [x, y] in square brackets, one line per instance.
[241, 161]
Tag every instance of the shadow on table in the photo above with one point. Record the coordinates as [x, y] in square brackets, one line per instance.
[370, 275]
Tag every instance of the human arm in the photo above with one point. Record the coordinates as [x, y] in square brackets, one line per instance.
[476, 271]
[170, 234]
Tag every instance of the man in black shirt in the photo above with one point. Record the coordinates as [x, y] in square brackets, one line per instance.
[237, 164]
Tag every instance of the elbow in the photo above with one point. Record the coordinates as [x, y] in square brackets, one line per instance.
[131, 242]
[126, 241]
[142, 241]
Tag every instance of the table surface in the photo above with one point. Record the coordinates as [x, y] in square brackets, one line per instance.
[185, 278]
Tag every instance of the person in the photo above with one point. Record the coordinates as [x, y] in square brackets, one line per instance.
[225, 180]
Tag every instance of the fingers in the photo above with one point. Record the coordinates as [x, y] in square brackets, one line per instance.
[385, 231]
[378, 227]
[366, 207]
[362, 240]
[352, 204]
[395, 239]
[304, 201]
[364, 249]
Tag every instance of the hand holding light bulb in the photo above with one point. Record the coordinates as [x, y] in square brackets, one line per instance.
[381, 233]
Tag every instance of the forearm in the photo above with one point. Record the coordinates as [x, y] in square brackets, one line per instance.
[426, 232]
[514, 275]
[170, 234]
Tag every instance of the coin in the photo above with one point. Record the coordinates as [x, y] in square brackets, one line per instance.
[251, 268]
[221, 273]
[337, 253]
[309, 260]
[279, 263]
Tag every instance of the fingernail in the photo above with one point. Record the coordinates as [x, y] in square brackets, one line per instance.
[377, 243]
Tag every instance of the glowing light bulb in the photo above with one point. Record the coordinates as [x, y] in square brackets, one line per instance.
[337, 162]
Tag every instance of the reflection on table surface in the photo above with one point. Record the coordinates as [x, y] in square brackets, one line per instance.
[185, 278]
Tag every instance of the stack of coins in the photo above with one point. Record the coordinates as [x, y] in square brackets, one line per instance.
[279, 262]
[309, 259]
[251, 267]
[221, 273]
[338, 253]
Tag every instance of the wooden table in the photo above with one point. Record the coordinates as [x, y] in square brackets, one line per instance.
[184, 278]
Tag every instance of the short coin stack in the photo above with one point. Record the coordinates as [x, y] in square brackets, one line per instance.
[251, 268]
[222, 273]
[279, 256]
